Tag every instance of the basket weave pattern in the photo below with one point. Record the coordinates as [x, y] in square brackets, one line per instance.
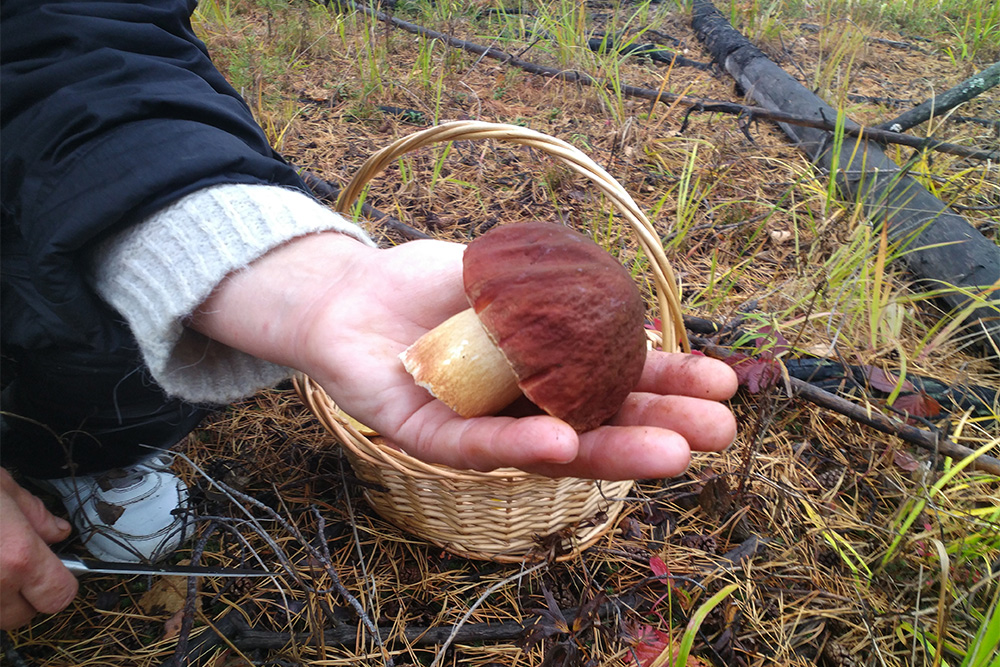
[502, 515]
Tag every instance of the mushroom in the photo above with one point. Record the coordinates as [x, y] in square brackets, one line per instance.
[553, 316]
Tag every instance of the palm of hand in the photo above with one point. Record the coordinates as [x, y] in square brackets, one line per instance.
[403, 292]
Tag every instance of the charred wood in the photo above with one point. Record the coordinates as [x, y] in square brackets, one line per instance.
[944, 249]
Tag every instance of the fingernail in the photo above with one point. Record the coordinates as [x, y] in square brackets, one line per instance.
[62, 524]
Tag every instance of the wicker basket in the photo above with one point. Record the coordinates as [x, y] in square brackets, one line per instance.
[503, 515]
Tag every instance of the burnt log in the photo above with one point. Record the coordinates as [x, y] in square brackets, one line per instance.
[944, 251]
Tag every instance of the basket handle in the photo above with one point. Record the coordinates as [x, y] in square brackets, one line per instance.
[667, 292]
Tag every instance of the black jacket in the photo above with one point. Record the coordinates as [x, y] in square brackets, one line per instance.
[110, 111]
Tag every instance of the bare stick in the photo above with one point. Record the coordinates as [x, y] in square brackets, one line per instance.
[482, 598]
[937, 105]
[664, 97]
[234, 630]
[876, 420]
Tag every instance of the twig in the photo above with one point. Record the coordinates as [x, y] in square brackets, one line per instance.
[233, 628]
[748, 112]
[937, 105]
[990, 207]
[887, 101]
[812, 27]
[867, 133]
[609, 43]
[876, 420]
[242, 500]
[324, 190]
[897, 102]
[482, 598]
[985, 122]
[895, 44]
[190, 598]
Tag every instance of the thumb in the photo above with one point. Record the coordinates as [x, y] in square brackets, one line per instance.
[48, 526]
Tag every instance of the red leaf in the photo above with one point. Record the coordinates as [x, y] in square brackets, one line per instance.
[883, 381]
[918, 404]
[772, 340]
[904, 461]
[658, 567]
[757, 374]
[650, 645]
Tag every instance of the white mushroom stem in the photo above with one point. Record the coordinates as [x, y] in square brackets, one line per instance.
[460, 365]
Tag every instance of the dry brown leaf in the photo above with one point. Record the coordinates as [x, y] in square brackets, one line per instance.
[173, 625]
[167, 594]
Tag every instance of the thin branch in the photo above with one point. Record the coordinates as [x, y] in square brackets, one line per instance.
[939, 104]
[482, 598]
[664, 97]
[234, 630]
[326, 190]
[872, 418]
[612, 43]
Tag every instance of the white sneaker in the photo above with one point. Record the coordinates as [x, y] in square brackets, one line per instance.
[134, 514]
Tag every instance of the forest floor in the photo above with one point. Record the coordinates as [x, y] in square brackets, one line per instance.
[840, 545]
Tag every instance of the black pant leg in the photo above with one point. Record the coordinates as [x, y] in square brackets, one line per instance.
[77, 411]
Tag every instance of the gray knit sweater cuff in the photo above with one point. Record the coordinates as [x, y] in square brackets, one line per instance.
[157, 272]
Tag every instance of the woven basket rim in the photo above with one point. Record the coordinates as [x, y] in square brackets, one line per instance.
[323, 406]
[665, 282]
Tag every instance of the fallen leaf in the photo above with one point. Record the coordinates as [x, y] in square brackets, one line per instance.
[167, 594]
[630, 527]
[173, 625]
[904, 461]
[650, 644]
[885, 381]
[109, 513]
[918, 404]
[755, 373]
[658, 567]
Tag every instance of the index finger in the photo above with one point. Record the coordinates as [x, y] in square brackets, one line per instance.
[48, 587]
[687, 375]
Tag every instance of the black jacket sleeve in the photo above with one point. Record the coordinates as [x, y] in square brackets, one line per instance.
[110, 111]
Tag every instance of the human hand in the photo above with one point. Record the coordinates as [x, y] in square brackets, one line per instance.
[32, 579]
[342, 313]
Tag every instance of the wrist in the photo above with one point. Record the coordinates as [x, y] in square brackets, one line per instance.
[268, 309]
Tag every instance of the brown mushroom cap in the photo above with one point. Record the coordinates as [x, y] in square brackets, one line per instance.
[566, 315]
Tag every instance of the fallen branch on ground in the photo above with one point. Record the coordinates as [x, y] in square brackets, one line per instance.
[329, 192]
[865, 415]
[664, 97]
[233, 629]
[939, 104]
[942, 248]
[612, 43]
[896, 44]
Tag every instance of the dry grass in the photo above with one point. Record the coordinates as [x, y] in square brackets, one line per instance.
[742, 220]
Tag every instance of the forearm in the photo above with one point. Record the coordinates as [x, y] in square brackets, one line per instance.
[159, 272]
[267, 310]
